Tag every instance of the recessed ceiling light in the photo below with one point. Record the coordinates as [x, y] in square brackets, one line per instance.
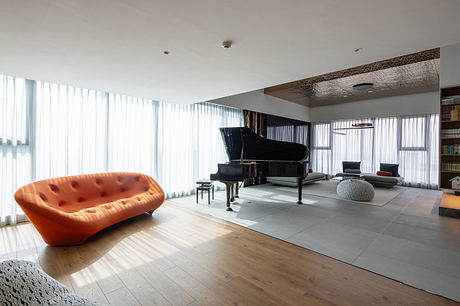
[166, 52]
[363, 86]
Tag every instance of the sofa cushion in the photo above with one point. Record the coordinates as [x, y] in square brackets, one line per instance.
[354, 171]
[351, 165]
[384, 173]
[393, 168]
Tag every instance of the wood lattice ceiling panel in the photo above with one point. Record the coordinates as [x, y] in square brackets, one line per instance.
[409, 74]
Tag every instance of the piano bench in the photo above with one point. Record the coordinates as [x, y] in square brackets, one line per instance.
[205, 187]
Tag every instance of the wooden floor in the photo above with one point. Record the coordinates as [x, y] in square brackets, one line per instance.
[181, 257]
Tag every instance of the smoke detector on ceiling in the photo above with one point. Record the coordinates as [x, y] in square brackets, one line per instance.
[227, 44]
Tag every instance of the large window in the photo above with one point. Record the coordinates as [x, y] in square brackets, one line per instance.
[412, 142]
[50, 130]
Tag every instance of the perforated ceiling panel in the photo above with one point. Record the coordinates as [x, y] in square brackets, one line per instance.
[414, 73]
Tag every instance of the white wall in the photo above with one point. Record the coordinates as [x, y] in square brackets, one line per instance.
[260, 102]
[450, 66]
[422, 103]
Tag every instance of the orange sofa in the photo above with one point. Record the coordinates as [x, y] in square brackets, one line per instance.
[68, 210]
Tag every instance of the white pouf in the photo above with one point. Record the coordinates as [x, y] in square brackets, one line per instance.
[24, 283]
[355, 190]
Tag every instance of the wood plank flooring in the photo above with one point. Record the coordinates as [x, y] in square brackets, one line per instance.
[182, 257]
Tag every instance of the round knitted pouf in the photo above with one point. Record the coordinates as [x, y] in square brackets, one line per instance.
[355, 190]
[24, 283]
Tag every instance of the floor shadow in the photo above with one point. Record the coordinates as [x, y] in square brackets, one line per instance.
[61, 260]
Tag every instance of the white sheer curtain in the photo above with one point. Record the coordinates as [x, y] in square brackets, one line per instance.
[291, 133]
[301, 134]
[281, 133]
[419, 151]
[71, 130]
[132, 134]
[411, 142]
[351, 145]
[385, 141]
[189, 143]
[15, 154]
[175, 148]
[321, 155]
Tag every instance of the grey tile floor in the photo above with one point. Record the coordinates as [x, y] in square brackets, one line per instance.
[405, 240]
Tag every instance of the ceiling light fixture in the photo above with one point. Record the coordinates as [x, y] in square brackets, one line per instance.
[358, 49]
[166, 52]
[363, 86]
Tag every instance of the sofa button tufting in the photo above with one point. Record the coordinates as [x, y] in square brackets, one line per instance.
[60, 203]
[137, 178]
[119, 178]
[80, 199]
[53, 188]
[103, 194]
[122, 189]
[98, 181]
[138, 198]
[42, 196]
[74, 185]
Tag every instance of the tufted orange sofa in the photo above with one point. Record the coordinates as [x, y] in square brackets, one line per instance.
[68, 210]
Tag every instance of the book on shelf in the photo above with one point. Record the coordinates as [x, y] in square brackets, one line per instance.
[450, 100]
[450, 133]
[451, 113]
[450, 149]
[450, 167]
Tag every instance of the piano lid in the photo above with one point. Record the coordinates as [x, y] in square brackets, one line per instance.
[241, 143]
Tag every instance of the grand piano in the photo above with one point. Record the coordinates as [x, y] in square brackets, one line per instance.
[252, 155]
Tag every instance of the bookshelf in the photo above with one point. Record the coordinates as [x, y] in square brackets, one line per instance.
[449, 136]
[449, 150]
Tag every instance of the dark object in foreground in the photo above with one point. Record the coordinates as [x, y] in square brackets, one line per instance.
[249, 153]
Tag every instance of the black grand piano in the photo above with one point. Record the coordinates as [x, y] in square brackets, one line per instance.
[250, 153]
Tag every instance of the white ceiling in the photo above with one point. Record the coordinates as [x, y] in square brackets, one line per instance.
[117, 45]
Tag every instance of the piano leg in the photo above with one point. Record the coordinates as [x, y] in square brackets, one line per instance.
[232, 199]
[299, 187]
[228, 186]
[236, 190]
